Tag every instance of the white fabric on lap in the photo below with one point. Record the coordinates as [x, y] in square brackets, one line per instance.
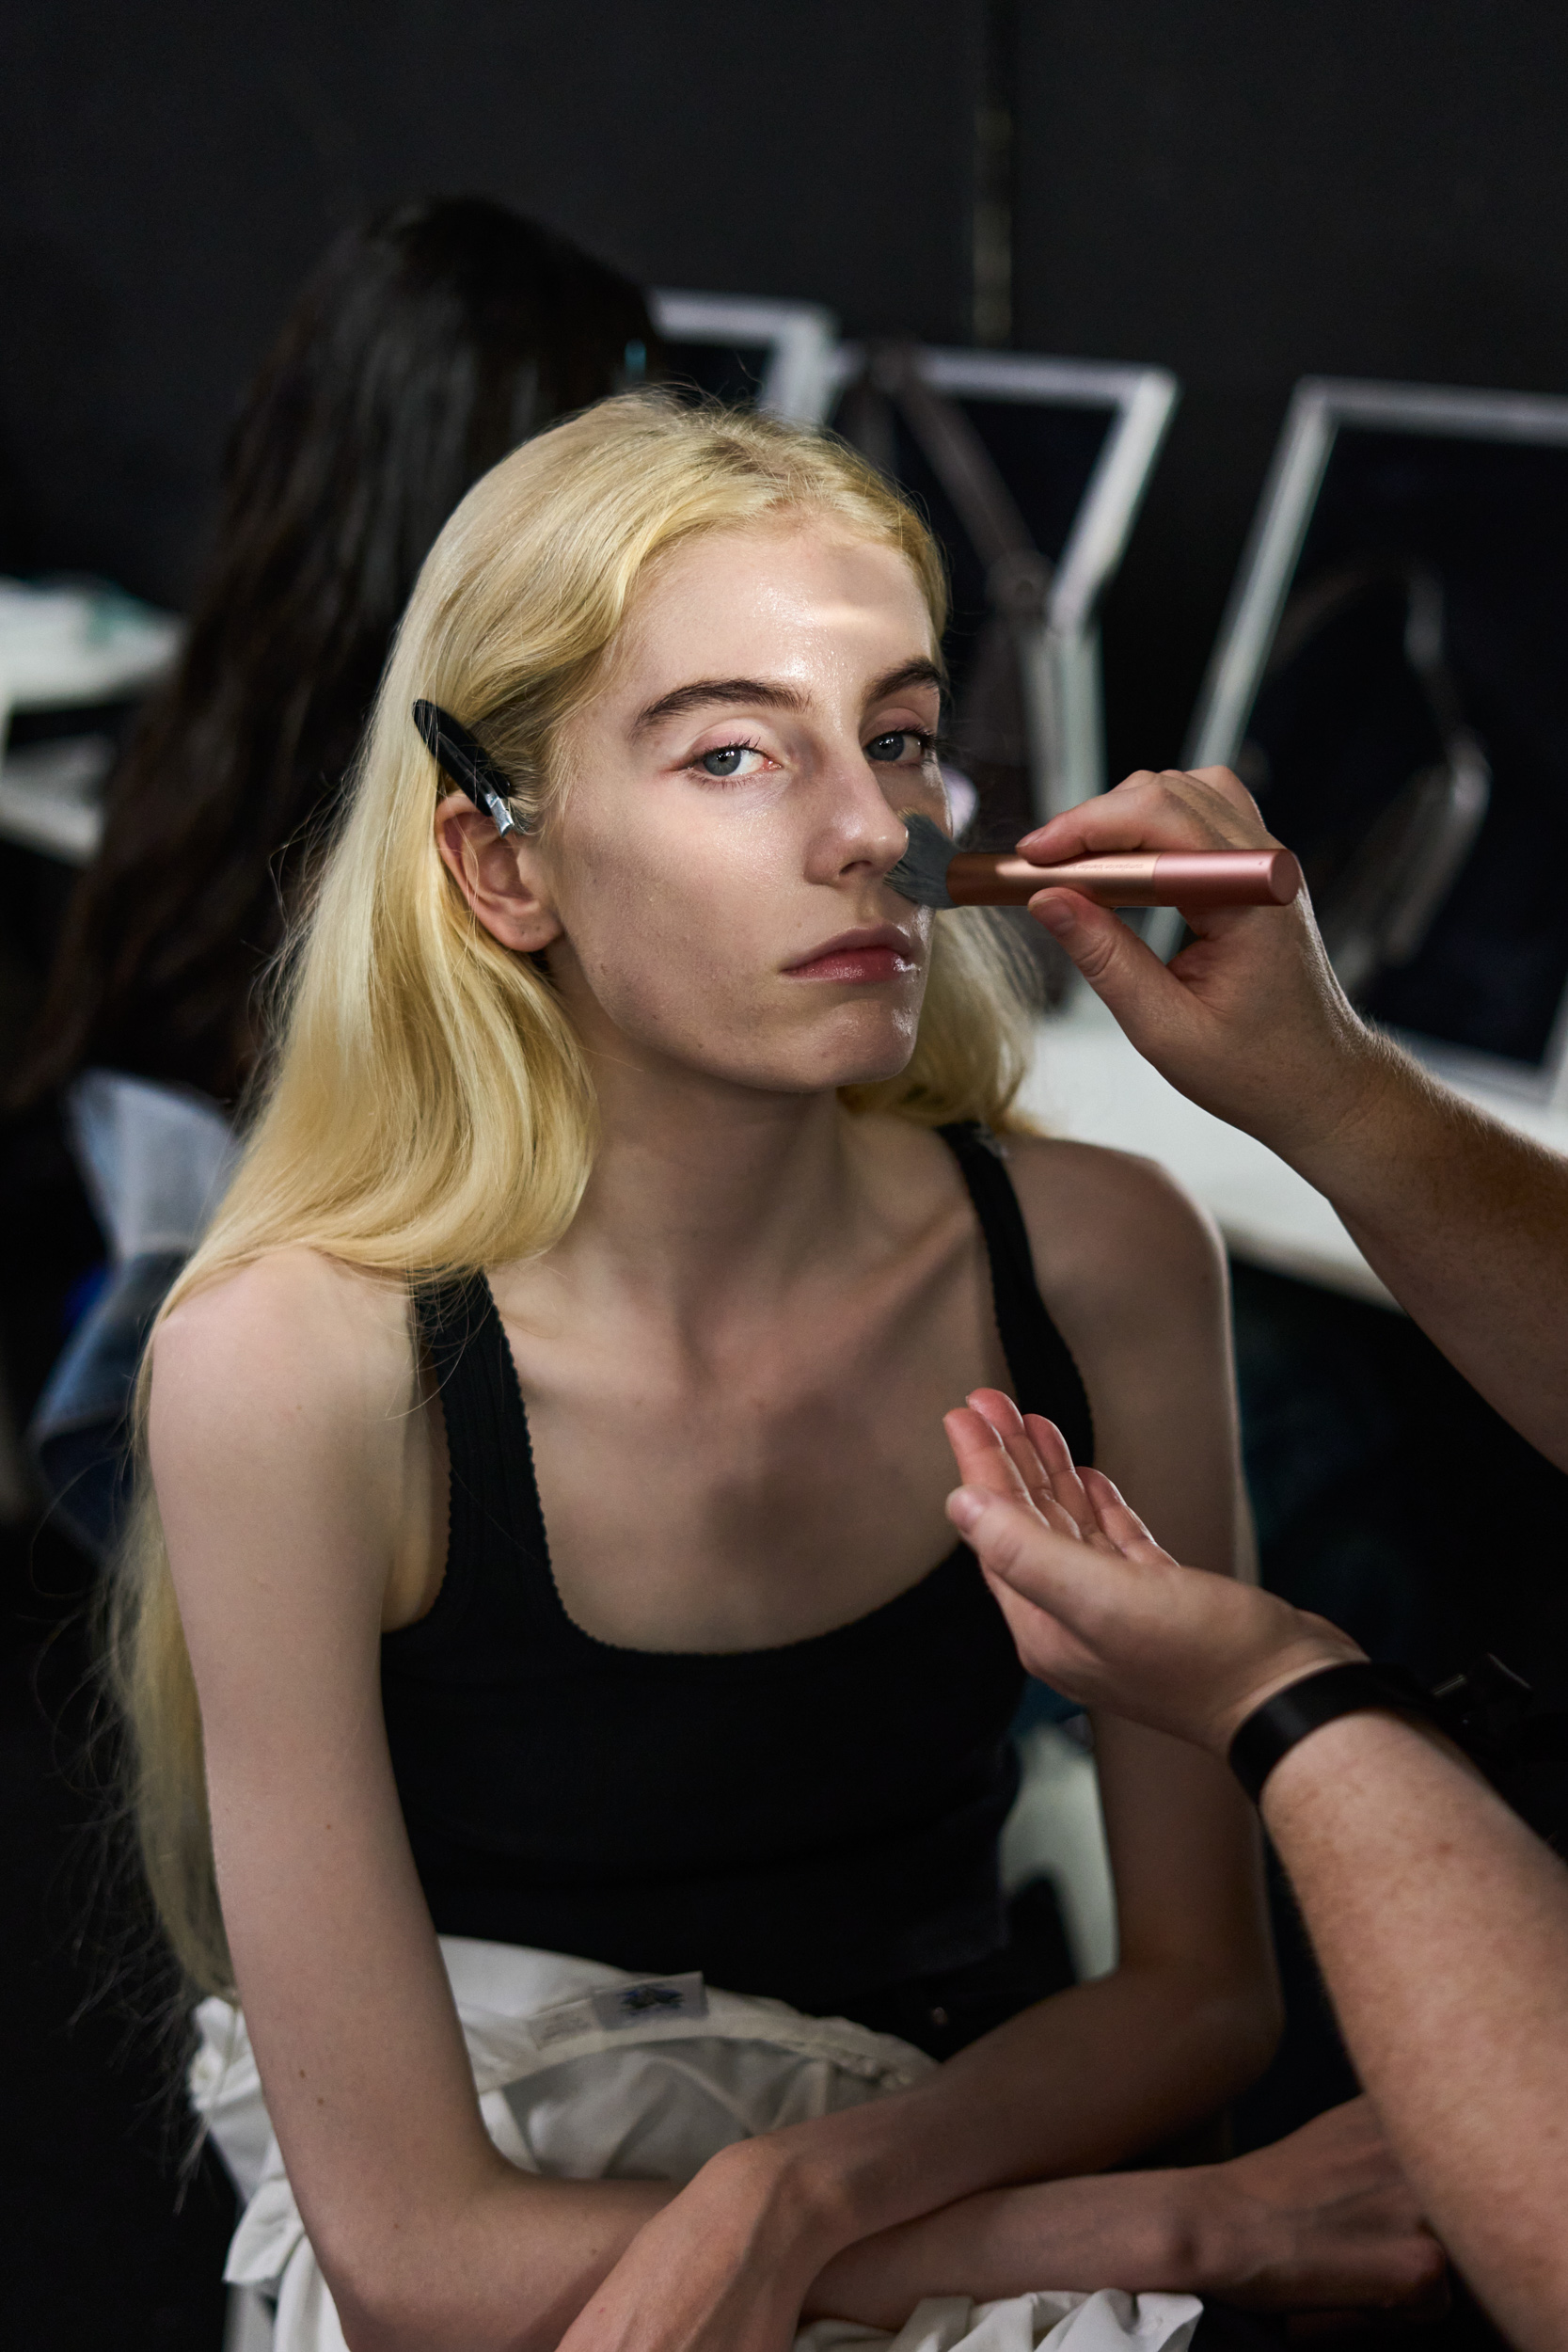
[1108, 2321]
[579, 2079]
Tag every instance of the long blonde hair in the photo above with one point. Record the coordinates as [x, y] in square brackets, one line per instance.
[429, 1107]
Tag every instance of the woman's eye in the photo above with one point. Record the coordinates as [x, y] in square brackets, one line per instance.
[727, 760]
[899, 745]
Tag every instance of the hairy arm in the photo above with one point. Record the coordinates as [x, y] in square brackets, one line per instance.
[1440, 1921]
[1441, 1925]
[1463, 1219]
[1467, 1224]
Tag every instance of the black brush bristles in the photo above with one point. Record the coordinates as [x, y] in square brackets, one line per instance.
[921, 873]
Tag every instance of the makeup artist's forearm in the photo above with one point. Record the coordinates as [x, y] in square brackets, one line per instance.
[1466, 1222]
[1442, 1927]
[1086, 2079]
[1144, 2229]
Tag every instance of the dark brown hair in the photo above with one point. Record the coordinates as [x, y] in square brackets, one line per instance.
[428, 343]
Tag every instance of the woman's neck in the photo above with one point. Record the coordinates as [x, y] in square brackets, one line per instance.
[703, 1188]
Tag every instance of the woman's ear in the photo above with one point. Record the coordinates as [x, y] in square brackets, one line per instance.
[498, 876]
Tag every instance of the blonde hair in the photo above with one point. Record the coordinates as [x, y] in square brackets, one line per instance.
[429, 1107]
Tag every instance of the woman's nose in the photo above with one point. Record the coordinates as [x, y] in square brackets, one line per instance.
[860, 829]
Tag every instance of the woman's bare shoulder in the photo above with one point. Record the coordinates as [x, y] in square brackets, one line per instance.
[293, 1330]
[284, 1446]
[1110, 1229]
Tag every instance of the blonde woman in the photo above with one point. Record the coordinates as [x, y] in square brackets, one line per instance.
[545, 1541]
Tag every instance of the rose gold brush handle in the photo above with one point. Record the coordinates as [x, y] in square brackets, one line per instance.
[1142, 878]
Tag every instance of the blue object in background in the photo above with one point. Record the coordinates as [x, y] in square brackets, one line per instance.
[80, 1433]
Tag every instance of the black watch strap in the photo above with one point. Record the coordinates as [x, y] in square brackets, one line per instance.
[1272, 1730]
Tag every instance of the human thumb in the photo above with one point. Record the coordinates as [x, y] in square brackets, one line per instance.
[1127, 976]
[1014, 1542]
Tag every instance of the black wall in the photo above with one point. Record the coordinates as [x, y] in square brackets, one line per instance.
[1246, 193]
[169, 169]
[1253, 193]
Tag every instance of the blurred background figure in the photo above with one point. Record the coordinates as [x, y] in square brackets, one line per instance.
[430, 340]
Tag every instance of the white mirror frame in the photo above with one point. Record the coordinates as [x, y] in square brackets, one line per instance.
[1067, 703]
[1319, 406]
[800, 339]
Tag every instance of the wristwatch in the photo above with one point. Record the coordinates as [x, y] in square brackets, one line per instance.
[1489, 1712]
[1272, 1730]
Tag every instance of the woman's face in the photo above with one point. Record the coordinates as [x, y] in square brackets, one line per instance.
[718, 864]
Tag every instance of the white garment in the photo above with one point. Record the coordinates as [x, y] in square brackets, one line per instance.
[565, 2092]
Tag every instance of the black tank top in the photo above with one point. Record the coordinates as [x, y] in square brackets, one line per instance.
[817, 1820]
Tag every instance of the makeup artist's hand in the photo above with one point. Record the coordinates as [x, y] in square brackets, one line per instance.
[1098, 1609]
[1248, 1020]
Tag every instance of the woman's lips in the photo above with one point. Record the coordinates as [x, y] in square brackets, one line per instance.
[883, 954]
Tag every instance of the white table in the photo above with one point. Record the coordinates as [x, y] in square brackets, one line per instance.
[68, 649]
[1087, 1081]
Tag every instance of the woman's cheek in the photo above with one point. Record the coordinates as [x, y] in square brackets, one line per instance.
[664, 965]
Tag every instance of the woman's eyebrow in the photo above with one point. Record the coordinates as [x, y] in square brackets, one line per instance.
[924, 671]
[776, 695]
[718, 690]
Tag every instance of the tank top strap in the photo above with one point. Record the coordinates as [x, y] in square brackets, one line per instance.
[1045, 1377]
[493, 1495]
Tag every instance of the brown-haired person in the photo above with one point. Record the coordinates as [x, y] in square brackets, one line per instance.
[429, 342]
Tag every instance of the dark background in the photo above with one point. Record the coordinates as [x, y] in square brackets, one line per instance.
[1244, 194]
[1249, 195]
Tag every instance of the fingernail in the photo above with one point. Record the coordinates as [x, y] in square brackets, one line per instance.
[966, 1507]
[1054, 909]
[1030, 839]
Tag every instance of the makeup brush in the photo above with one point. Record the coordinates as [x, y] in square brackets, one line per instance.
[934, 874]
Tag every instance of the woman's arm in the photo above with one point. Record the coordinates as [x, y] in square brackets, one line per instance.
[284, 1454]
[1324, 2221]
[287, 1464]
[1136, 1278]
[1190, 2014]
[282, 1445]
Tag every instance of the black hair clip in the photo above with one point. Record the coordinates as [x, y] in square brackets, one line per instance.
[465, 762]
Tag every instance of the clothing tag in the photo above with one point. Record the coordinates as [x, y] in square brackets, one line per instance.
[620, 2006]
[650, 1996]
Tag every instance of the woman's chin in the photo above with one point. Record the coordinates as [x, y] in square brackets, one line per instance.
[874, 1073]
[859, 1046]
[864, 1053]
[815, 1074]
[868, 1068]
